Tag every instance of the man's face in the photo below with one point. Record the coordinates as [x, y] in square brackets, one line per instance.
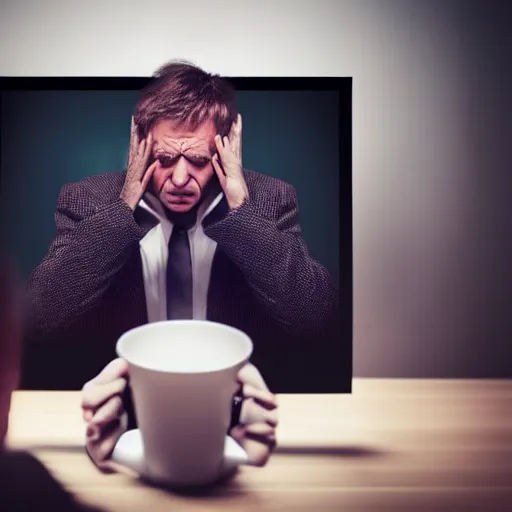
[184, 164]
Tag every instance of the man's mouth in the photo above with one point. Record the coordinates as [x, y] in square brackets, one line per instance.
[182, 194]
[178, 198]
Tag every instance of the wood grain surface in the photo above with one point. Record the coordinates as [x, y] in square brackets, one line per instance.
[392, 445]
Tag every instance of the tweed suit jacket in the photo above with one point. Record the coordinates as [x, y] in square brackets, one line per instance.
[89, 288]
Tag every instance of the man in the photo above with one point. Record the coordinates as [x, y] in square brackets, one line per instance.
[185, 232]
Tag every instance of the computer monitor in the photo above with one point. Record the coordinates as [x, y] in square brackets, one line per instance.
[59, 130]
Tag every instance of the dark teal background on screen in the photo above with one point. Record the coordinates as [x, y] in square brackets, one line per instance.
[50, 138]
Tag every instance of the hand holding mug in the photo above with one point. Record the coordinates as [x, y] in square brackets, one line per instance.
[106, 419]
[256, 431]
[103, 411]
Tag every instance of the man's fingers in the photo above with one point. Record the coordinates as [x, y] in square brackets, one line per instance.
[218, 169]
[237, 140]
[262, 396]
[216, 163]
[233, 130]
[148, 148]
[135, 133]
[253, 412]
[111, 410]
[271, 418]
[150, 143]
[95, 395]
[92, 433]
[133, 127]
[87, 414]
[219, 144]
[134, 140]
[258, 448]
[148, 174]
[236, 130]
[255, 388]
[141, 151]
[101, 449]
[249, 374]
[256, 432]
[115, 369]
[260, 430]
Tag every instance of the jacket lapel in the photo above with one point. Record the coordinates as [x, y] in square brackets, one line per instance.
[216, 306]
[138, 314]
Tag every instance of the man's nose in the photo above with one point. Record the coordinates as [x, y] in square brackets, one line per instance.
[179, 175]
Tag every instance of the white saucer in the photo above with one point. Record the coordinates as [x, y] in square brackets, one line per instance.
[129, 452]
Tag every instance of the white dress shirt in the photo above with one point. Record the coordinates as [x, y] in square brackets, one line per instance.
[154, 254]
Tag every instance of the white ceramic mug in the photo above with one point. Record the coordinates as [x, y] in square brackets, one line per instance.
[182, 378]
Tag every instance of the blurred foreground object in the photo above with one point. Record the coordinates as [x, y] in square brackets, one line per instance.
[25, 483]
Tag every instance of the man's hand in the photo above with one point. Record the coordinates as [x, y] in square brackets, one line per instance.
[229, 169]
[256, 432]
[103, 411]
[138, 174]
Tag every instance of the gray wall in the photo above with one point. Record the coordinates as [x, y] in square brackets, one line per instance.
[432, 143]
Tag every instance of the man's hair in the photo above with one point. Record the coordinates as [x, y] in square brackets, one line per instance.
[183, 93]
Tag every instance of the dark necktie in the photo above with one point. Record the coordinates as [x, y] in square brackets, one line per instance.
[179, 275]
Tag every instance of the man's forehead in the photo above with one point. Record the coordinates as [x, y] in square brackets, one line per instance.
[169, 130]
[185, 145]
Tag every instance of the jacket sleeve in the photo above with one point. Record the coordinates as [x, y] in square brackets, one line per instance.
[91, 244]
[296, 290]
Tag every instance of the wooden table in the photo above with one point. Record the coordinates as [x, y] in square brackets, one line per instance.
[419, 445]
